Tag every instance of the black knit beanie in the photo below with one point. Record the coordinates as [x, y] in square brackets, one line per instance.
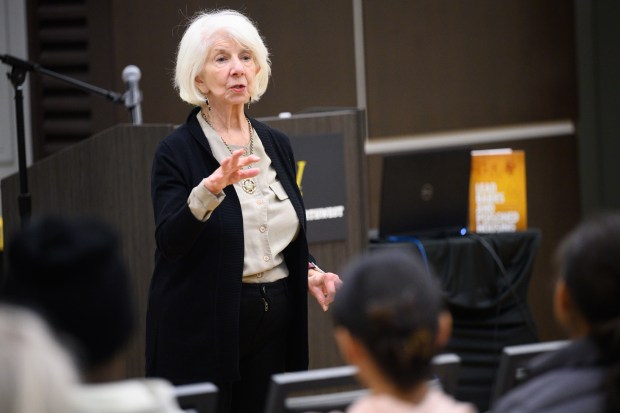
[72, 272]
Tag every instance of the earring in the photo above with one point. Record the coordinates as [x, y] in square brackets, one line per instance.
[207, 102]
[249, 101]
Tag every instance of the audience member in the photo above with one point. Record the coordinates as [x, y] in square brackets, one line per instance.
[36, 373]
[72, 273]
[387, 323]
[585, 375]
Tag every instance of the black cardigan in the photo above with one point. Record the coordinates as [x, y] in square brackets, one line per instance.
[192, 323]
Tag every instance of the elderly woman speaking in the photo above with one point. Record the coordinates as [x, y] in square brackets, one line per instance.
[228, 297]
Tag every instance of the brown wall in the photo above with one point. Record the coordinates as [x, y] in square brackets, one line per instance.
[438, 65]
[310, 45]
[431, 65]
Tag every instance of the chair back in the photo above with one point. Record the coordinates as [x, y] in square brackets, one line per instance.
[446, 368]
[197, 397]
[282, 398]
[512, 361]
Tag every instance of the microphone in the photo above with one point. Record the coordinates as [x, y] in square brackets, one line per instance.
[133, 96]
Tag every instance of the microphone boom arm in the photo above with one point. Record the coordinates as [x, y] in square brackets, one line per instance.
[20, 65]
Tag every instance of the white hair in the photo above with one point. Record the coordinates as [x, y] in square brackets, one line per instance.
[196, 44]
[36, 374]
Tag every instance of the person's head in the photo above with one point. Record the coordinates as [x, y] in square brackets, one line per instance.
[71, 271]
[386, 317]
[36, 373]
[588, 287]
[218, 41]
[587, 293]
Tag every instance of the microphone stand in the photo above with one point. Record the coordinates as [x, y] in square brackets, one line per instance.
[17, 76]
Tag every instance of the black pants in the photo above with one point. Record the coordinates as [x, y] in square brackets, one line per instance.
[264, 321]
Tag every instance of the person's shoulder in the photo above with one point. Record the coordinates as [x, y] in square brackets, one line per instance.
[183, 130]
[262, 128]
[176, 143]
[374, 403]
[176, 131]
[435, 401]
[438, 401]
[180, 135]
[134, 395]
[547, 392]
[260, 125]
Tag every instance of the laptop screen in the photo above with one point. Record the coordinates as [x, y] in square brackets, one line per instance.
[425, 193]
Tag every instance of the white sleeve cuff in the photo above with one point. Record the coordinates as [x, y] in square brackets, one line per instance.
[202, 202]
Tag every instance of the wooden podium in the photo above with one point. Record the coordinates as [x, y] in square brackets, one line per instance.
[108, 176]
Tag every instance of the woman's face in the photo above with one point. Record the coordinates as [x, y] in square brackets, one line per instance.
[228, 74]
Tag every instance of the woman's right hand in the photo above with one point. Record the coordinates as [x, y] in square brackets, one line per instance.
[231, 171]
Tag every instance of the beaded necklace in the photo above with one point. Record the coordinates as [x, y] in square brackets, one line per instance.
[247, 184]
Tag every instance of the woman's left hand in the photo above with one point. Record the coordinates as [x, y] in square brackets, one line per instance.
[323, 286]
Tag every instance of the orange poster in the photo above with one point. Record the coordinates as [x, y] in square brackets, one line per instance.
[497, 192]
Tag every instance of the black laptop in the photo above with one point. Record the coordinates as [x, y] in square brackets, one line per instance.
[424, 194]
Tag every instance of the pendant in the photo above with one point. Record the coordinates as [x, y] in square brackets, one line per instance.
[248, 185]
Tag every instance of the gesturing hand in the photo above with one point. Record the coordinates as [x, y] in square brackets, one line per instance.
[231, 171]
[323, 286]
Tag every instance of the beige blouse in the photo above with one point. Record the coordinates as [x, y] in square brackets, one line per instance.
[269, 219]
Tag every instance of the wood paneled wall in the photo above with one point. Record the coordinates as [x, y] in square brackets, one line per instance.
[443, 65]
[431, 65]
